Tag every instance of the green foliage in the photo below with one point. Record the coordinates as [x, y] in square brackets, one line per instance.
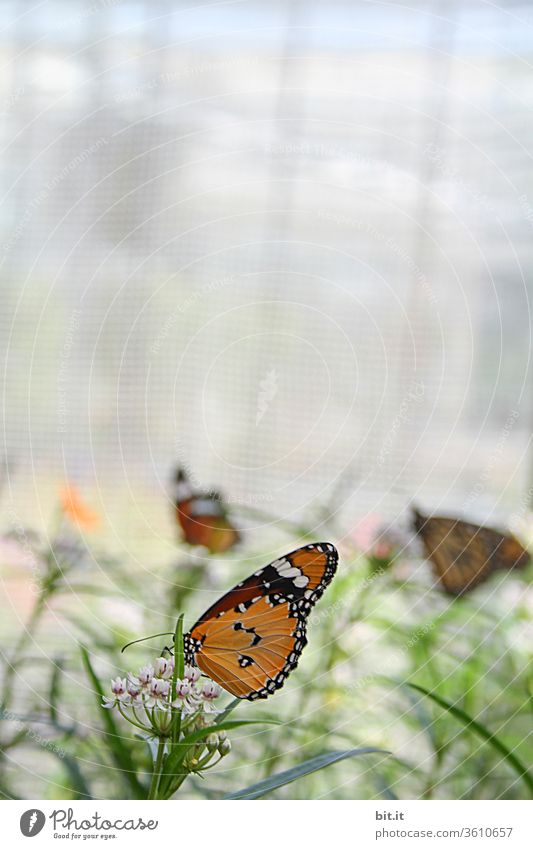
[473, 726]
[255, 791]
[117, 746]
[392, 665]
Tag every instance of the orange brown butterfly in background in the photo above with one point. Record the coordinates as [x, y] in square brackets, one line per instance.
[463, 554]
[203, 517]
[251, 639]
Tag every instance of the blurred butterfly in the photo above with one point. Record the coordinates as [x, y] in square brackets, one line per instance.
[203, 517]
[464, 554]
[251, 639]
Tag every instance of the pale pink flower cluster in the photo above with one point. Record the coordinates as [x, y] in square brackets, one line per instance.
[151, 688]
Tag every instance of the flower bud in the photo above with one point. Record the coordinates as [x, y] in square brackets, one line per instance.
[134, 687]
[211, 741]
[118, 686]
[224, 747]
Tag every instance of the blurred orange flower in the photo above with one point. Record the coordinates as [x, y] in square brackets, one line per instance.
[77, 511]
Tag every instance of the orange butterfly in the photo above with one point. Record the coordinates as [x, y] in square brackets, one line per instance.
[203, 517]
[252, 638]
[464, 554]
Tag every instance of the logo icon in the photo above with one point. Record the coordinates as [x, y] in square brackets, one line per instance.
[32, 822]
[268, 389]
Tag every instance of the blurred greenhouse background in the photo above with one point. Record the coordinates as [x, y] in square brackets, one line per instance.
[286, 244]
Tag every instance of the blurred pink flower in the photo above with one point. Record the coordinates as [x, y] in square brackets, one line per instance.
[366, 531]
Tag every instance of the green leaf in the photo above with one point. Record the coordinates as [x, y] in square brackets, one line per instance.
[227, 710]
[176, 757]
[255, 791]
[55, 684]
[118, 750]
[421, 714]
[196, 736]
[474, 725]
[79, 786]
[385, 790]
[179, 670]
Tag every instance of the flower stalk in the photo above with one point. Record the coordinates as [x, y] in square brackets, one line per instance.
[176, 715]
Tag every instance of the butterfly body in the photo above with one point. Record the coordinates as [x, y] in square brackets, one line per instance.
[464, 554]
[202, 517]
[252, 638]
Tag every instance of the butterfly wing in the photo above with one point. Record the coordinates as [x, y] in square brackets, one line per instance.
[202, 517]
[464, 554]
[252, 638]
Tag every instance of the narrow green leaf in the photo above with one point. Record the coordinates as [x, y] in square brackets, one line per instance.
[80, 788]
[385, 790]
[177, 755]
[474, 725]
[55, 684]
[196, 736]
[179, 655]
[179, 669]
[119, 751]
[227, 710]
[421, 714]
[6, 793]
[255, 791]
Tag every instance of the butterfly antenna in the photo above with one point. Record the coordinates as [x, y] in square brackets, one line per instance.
[143, 639]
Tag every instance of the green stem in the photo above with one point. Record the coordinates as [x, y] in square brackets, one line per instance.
[179, 667]
[177, 784]
[144, 728]
[156, 775]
